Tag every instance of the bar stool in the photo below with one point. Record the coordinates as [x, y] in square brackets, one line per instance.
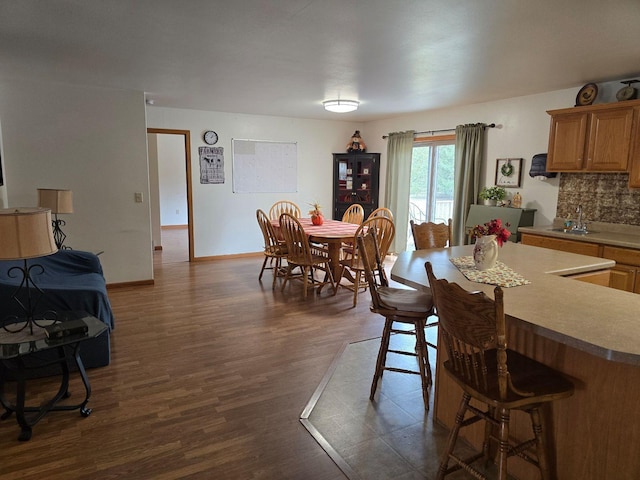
[473, 331]
[397, 306]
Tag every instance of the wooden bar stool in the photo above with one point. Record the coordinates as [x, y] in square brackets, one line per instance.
[473, 331]
[396, 305]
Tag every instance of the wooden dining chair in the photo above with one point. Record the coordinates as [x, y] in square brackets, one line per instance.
[284, 206]
[352, 265]
[397, 306]
[431, 235]
[381, 212]
[301, 254]
[274, 249]
[354, 214]
[473, 331]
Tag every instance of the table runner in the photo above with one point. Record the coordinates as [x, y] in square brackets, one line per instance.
[500, 275]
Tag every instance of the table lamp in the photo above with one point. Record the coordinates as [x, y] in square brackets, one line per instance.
[25, 233]
[58, 201]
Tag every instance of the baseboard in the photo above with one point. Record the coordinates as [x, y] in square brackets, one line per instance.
[227, 257]
[173, 227]
[135, 283]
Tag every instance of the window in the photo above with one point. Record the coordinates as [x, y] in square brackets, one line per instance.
[431, 189]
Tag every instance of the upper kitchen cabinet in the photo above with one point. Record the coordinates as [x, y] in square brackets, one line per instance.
[597, 138]
[355, 180]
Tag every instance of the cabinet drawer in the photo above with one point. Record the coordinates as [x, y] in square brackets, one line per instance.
[622, 255]
[582, 248]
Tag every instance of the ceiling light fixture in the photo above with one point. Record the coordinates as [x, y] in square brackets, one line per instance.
[340, 106]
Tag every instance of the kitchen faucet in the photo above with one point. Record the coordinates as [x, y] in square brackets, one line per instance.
[579, 226]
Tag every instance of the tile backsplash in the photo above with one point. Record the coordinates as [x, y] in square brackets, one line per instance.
[605, 197]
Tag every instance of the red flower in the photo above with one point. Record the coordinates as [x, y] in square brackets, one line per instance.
[492, 227]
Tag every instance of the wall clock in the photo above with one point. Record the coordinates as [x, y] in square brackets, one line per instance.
[210, 137]
[587, 95]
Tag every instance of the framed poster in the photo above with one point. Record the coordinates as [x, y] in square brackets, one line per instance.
[508, 172]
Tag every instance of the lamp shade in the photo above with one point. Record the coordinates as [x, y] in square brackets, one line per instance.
[58, 201]
[340, 106]
[25, 233]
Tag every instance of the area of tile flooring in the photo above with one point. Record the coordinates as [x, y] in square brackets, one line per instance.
[392, 437]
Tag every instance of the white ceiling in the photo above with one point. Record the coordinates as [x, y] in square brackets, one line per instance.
[284, 57]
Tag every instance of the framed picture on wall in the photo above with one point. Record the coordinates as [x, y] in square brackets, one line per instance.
[508, 172]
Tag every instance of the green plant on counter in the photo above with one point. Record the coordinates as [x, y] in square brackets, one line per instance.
[493, 193]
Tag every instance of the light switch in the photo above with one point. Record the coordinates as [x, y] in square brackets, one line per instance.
[138, 196]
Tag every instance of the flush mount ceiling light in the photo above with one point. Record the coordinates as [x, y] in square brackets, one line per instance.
[340, 106]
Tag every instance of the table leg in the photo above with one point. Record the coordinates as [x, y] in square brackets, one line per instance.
[36, 413]
[334, 254]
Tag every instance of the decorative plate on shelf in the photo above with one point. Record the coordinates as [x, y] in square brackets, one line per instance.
[587, 95]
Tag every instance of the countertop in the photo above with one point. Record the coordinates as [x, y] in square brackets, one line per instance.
[627, 236]
[599, 320]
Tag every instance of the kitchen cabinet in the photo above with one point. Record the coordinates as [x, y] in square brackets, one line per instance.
[599, 138]
[571, 246]
[624, 276]
[356, 179]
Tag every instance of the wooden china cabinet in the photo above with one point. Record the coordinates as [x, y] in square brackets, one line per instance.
[356, 179]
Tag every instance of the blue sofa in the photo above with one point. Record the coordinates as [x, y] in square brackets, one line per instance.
[71, 280]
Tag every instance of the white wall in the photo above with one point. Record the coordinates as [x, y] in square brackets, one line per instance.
[92, 141]
[172, 177]
[225, 222]
[523, 131]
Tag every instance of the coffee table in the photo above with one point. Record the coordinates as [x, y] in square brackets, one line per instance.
[18, 355]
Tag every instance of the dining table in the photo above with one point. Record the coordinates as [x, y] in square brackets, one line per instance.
[333, 233]
[588, 332]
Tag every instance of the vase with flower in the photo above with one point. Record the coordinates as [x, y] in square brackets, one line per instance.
[316, 214]
[489, 237]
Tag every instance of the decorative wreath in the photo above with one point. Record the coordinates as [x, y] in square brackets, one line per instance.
[506, 169]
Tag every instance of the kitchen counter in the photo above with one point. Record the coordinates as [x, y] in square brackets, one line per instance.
[589, 332]
[592, 318]
[627, 236]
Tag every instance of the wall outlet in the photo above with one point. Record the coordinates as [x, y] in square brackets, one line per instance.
[138, 197]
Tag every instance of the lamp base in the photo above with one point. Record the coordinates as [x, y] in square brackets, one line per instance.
[58, 235]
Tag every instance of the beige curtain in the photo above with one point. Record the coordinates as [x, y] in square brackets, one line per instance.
[399, 152]
[469, 157]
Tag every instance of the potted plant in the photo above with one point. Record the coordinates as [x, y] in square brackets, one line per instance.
[492, 195]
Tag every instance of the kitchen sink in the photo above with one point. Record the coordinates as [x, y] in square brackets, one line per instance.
[571, 232]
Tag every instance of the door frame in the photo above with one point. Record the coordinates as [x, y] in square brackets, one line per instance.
[187, 156]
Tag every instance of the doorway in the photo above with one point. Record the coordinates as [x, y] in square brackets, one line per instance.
[173, 236]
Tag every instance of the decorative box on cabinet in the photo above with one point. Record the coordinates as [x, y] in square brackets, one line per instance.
[597, 138]
[515, 217]
[356, 178]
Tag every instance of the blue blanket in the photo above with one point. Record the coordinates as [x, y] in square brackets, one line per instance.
[71, 280]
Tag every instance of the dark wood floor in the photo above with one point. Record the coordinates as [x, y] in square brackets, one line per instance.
[210, 372]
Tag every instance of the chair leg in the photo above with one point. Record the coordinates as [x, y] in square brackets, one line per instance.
[356, 286]
[538, 425]
[286, 277]
[264, 264]
[382, 356]
[305, 280]
[276, 271]
[453, 436]
[423, 361]
[503, 437]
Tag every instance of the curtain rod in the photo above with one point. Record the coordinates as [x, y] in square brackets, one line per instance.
[490, 125]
